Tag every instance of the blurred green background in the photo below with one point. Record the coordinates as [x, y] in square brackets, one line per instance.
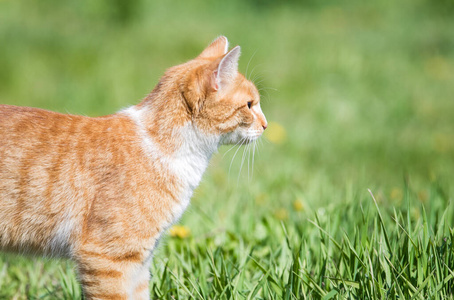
[364, 90]
[359, 94]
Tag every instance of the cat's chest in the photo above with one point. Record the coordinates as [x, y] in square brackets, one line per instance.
[184, 169]
[188, 172]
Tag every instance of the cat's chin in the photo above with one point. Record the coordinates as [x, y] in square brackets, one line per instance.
[238, 139]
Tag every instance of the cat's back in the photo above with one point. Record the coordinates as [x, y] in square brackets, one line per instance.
[33, 138]
[24, 125]
[27, 127]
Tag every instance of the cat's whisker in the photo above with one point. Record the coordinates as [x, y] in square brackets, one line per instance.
[256, 76]
[231, 162]
[261, 76]
[249, 163]
[259, 80]
[253, 156]
[247, 67]
[242, 160]
[265, 89]
[252, 72]
[252, 162]
[248, 160]
[231, 148]
[266, 140]
[245, 156]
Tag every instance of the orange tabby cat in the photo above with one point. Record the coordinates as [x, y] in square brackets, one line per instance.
[103, 190]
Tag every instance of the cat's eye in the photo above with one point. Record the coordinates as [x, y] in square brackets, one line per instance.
[249, 104]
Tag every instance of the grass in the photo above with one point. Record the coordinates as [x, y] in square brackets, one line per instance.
[353, 249]
[358, 96]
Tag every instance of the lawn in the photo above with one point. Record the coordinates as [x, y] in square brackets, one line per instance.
[348, 195]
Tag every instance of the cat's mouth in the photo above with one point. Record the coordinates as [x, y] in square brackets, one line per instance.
[241, 138]
[252, 137]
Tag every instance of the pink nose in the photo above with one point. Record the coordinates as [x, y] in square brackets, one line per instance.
[265, 126]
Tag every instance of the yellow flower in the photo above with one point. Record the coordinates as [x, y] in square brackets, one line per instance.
[276, 133]
[443, 143]
[298, 205]
[438, 67]
[260, 199]
[396, 194]
[415, 213]
[281, 214]
[180, 231]
[423, 196]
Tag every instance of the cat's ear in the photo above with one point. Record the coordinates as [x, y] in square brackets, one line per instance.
[217, 48]
[227, 69]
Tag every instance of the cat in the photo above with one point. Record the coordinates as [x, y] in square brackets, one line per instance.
[101, 191]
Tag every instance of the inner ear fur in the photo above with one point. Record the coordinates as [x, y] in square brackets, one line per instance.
[226, 70]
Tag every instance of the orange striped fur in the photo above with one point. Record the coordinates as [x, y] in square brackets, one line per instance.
[101, 191]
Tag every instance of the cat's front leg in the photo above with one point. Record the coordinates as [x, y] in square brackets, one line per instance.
[107, 276]
[142, 283]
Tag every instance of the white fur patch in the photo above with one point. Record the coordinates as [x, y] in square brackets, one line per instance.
[148, 145]
[60, 243]
[188, 163]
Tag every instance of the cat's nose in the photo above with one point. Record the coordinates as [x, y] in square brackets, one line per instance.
[265, 126]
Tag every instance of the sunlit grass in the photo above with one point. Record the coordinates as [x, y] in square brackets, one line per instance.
[360, 247]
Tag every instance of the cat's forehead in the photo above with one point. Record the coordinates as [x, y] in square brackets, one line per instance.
[247, 88]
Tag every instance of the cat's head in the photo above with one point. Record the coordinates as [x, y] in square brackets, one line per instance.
[220, 99]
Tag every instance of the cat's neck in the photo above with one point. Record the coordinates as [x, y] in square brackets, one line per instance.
[171, 139]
